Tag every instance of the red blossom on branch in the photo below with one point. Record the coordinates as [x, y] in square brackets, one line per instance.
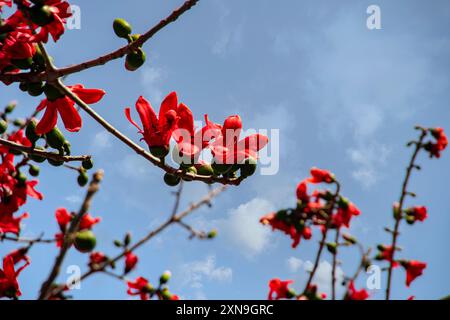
[413, 270]
[354, 294]
[278, 289]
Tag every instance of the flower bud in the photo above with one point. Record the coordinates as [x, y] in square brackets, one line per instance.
[135, 37]
[21, 178]
[23, 64]
[159, 151]
[165, 294]
[118, 243]
[349, 238]
[220, 168]
[30, 132]
[122, 28]
[82, 178]
[191, 171]
[55, 163]
[248, 168]
[127, 239]
[212, 234]
[23, 86]
[205, 170]
[171, 180]
[88, 164]
[66, 147]
[165, 277]
[332, 247]
[52, 93]
[34, 171]
[85, 241]
[10, 107]
[35, 89]
[291, 293]
[3, 126]
[41, 15]
[135, 60]
[18, 122]
[55, 138]
[37, 158]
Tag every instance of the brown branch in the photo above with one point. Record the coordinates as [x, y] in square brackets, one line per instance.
[192, 232]
[333, 269]
[138, 149]
[52, 75]
[70, 235]
[361, 266]
[172, 219]
[25, 240]
[398, 216]
[41, 153]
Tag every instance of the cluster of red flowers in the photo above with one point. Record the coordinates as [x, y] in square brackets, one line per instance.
[175, 120]
[312, 209]
[142, 287]
[14, 187]
[279, 289]
[435, 148]
[9, 287]
[31, 23]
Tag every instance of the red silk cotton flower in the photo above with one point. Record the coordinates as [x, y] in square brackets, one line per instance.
[9, 287]
[413, 270]
[131, 261]
[441, 143]
[58, 11]
[417, 213]
[319, 176]
[278, 289]
[57, 103]
[156, 130]
[354, 294]
[140, 287]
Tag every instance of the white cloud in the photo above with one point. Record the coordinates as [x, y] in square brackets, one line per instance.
[368, 160]
[230, 38]
[294, 264]
[151, 78]
[102, 140]
[196, 272]
[242, 227]
[135, 167]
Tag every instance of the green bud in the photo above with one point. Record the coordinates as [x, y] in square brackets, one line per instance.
[55, 163]
[55, 138]
[30, 132]
[66, 147]
[34, 171]
[149, 289]
[18, 122]
[220, 168]
[332, 247]
[37, 158]
[165, 294]
[3, 126]
[85, 241]
[88, 164]
[127, 239]
[21, 178]
[23, 64]
[291, 294]
[41, 15]
[205, 170]
[165, 277]
[38, 57]
[135, 60]
[248, 168]
[212, 234]
[171, 180]
[82, 179]
[35, 89]
[410, 219]
[122, 28]
[349, 238]
[160, 151]
[52, 92]
[192, 171]
[135, 37]
[118, 244]
[23, 86]
[10, 107]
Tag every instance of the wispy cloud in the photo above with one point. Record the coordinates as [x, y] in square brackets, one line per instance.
[196, 272]
[151, 79]
[230, 39]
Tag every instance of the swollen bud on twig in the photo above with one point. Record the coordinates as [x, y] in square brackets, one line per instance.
[160, 151]
[35, 89]
[85, 241]
[83, 178]
[171, 180]
[122, 28]
[118, 244]
[212, 234]
[127, 239]
[3, 126]
[55, 163]
[248, 168]
[221, 168]
[135, 60]
[55, 138]
[23, 64]
[10, 107]
[165, 277]
[30, 132]
[191, 171]
[37, 158]
[205, 170]
[34, 171]
[332, 247]
[88, 164]
[21, 178]
[41, 15]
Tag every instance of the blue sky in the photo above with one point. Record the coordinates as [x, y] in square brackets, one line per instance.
[344, 98]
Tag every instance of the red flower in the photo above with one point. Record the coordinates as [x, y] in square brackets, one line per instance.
[60, 10]
[441, 143]
[419, 213]
[289, 229]
[319, 176]
[87, 221]
[279, 288]
[387, 253]
[156, 131]
[9, 287]
[63, 217]
[174, 297]
[97, 258]
[19, 255]
[345, 213]
[10, 224]
[413, 269]
[130, 261]
[411, 297]
[354, 294]
[302, 191]
[139, 287]
[66, 108]
[16, 46]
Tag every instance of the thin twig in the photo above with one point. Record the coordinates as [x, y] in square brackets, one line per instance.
[41, 153]
[333, 269]
[175, 219]
[70, 234]
[398, 217]
[26, 240]
[52, 75]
